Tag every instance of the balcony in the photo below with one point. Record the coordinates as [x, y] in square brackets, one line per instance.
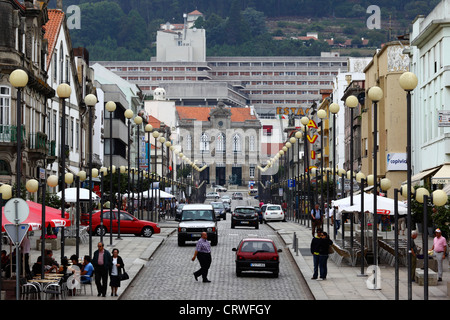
[8, 134]
[38, 145]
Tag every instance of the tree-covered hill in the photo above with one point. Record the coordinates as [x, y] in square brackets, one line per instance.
[126, 29]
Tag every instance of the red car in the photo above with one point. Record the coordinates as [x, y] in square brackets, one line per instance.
[255, 254]
[128, 224]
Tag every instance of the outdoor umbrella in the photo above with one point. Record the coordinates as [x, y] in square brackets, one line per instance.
[52, 217]
[384, 205]
[164, 195]
[70, 195]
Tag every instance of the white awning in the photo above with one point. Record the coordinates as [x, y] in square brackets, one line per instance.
[442, 176]
[415, 179]
[447, 189]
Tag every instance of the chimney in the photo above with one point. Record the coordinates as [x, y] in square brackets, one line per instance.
[59, 5]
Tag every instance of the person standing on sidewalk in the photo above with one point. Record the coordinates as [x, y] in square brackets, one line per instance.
[316, 219]
[439, 247]
[324, 250]
[102, 262]
[315, 248]
[203, 254]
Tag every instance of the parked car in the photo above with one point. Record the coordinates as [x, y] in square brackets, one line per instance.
[219, 210]
[244, 216]
[273, 212]
[195, 219]
[220, 189]
[129, 224]
[238, 196]
[212, 195]
[257, 254]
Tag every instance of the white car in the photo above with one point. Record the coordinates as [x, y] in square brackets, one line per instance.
[273, 212]
[212, 196]
[220, 189]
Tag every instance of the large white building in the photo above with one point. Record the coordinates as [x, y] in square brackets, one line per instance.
[430, 61]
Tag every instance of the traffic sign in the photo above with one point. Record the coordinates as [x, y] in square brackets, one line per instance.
[16, 232]
[291, 183]
[16, 210]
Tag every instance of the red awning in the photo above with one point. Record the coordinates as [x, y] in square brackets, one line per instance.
[52, 217]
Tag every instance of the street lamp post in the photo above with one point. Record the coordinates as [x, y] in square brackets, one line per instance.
[19, 79]
[305, 122]
[129, 114]
[361, 178]
[408, 81]
[438, 198]
[334, 108]
[110, 107]
[375, 94]
[63, 91]
[90, 100]
[321, 114]
[138, 122]
[5, 194]
[148, 129]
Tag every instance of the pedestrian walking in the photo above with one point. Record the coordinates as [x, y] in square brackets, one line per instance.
[203, 254]
[439, 247]
[116, 271]
[102, 262]
[414, 252]
[324, 249]
[336, 217]
[315, 247]
[316, 219]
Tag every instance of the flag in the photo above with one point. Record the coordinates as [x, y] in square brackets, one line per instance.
[281, 116]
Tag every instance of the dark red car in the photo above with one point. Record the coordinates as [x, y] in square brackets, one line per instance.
[129, 224]
[255, 254]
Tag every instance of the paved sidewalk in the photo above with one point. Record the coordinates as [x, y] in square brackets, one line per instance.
[135, 251]
[345, 282]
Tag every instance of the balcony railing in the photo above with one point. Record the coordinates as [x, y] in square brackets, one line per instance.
[38, 141]
[8, 133]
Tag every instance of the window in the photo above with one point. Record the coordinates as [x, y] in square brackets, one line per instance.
[221, 142]
[252, 144]
[237, 143]
[252, 171]
[5, 106]
[188, 142]
[267, 130]
[204, 142]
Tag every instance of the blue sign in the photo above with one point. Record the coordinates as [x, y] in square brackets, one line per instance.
[291, 183]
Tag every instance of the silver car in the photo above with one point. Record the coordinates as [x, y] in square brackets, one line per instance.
[195, 219]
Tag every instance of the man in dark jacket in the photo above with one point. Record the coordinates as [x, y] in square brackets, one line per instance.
[315, 248]
[102, 262]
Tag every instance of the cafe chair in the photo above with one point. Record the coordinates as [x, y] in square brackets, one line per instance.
[84, 285]
[55, 290]
[30, 291]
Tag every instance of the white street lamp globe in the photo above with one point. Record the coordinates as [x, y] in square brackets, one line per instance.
[351, 101]
[292, 140]
[299, 135]
[6, 191]
[110, 106]
[129, 113]
[94, 173]
[439, 197]
[334, 108]
[285, 148]
[370, 180]
[90, 100]
[18, 78]
[322, 114]
[155, 134]
[420, 193]
[82, 175]
[304, 121]
[385, 184]
[68, 178]
[288, 145]
[148, 127]
[52, 181]
[408, 81]
[63, 90]
[375, 94]
[138, 120]
[32, 185]
[360, 176]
